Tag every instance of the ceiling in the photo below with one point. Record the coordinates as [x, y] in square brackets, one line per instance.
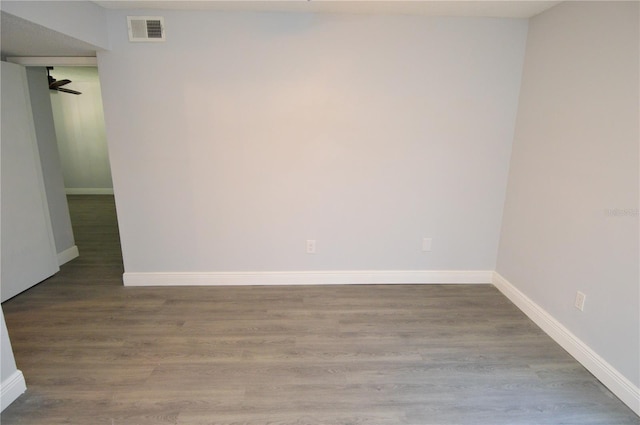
[472, 8]
[20, 37]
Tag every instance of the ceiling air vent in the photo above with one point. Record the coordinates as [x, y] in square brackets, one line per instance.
[146, 28]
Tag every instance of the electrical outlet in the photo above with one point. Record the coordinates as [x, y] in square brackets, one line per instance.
[426, 244]
[580, 298]
[311, 246]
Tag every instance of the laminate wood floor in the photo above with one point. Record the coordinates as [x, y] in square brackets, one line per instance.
[95, 352]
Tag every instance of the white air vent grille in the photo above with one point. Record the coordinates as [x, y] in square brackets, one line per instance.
[146, 28]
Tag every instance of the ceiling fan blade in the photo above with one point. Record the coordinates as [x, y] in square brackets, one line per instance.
[62, 89]
[58, 83]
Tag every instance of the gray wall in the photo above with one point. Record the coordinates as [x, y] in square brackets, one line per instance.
[571, 213]
[11, 379]
[28, 252]
[49, 158]
[8, 363]
[246, 134]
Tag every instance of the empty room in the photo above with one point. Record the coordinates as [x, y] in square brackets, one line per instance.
[321, 212]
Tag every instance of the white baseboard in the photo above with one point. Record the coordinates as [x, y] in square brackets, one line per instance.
[350, 277]
[624, 389]
[89, 191]
[11, 388]
[68, 255]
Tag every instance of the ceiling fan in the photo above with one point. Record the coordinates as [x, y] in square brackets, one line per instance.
[57, 84]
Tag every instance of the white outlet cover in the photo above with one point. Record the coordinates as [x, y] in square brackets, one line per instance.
[426, 244]
[311, 246]
[580, 299]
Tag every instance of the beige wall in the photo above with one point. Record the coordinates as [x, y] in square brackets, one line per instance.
[571, 214]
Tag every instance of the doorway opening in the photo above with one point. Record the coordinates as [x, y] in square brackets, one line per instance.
[78, 118]
[76, 166]
[80, 130]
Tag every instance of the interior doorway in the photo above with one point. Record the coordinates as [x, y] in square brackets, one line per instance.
[78, 116]
[77, 156]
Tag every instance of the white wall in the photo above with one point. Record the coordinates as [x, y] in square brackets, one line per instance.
[50, 162]
[79, 128]
[28, 251]
[575, 159]
[246, 134]
[8, 363]
[12, 382]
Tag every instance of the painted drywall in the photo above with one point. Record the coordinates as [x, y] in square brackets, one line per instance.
[8, 363]
[244, 135]
[80, 131]
[50, 159]
[571, 213]
[12, 382]
[82, 20]
[27, 251]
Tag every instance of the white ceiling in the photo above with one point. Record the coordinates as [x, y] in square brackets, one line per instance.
[23, 38]
[19, 37]
[472, 8]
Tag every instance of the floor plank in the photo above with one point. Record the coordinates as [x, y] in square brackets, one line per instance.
[95, 352]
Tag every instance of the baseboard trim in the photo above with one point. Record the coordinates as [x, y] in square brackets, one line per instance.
[68, 255]
[11, 388]
[624, 389]
[351, 277]
[89, 191]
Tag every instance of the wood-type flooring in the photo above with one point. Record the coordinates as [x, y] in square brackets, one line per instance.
[95, 352]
